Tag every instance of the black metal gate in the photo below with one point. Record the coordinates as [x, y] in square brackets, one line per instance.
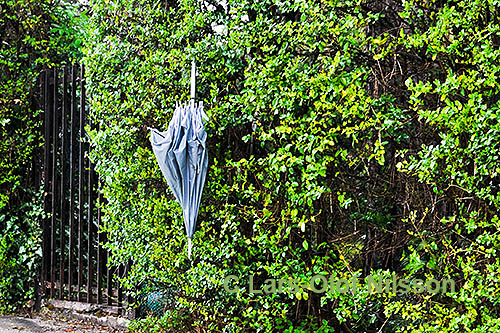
[74, 265]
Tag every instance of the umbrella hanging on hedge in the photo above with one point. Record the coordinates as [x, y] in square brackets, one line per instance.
[183, 158]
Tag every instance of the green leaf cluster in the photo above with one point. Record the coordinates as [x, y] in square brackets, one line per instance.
[345, 138]
[33, 35]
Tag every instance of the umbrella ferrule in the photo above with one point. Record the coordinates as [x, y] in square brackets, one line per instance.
[190, 245]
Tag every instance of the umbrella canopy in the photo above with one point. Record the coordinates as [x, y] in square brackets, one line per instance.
[183, 159]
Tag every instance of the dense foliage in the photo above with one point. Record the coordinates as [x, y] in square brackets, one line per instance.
[33, 35]
[346, 138]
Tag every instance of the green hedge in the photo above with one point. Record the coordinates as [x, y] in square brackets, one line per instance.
[346, 138]
[33, 35]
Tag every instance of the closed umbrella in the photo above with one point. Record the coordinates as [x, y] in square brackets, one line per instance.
[182, 155]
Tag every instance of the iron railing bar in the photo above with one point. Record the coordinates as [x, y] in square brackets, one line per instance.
[120, 292]
[63, 208]
[54, 187]
[90, 221]
[72, 193]
[109, 282]
[99, 241]
[46, 178]
[80, 189]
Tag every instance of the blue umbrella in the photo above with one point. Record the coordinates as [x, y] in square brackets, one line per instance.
[182, 155]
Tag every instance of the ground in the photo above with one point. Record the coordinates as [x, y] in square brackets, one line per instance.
[46, 323]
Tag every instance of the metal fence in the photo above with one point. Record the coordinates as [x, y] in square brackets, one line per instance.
[74, 265]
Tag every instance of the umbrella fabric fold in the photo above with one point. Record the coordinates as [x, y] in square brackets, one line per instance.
[183, 159]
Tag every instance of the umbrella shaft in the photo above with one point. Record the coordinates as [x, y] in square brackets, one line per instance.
[193, 80]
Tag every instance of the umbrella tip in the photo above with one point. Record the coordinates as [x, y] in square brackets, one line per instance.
[189, 247]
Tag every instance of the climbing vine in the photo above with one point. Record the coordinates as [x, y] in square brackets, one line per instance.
[34, 35]
[346, 139]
